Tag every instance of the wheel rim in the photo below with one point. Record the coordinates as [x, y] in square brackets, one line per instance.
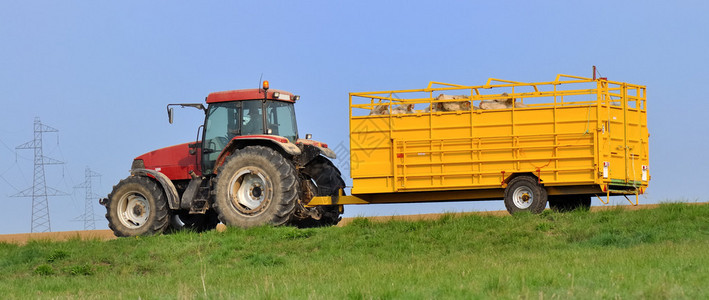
[523, 197]
[250, 190]
[133, 210]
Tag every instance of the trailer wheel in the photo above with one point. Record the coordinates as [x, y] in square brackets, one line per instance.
[183, 220]
[584, 202]
[566, 203]
[256, 186]
[137, 206]
[523, 193]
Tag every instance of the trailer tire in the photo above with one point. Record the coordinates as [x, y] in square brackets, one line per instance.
[584, 203]
[256, 186]
[566, 203]
[137, 206]
[525, 194]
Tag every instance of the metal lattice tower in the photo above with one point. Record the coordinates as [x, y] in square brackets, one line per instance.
[39, 190]
[88, 217]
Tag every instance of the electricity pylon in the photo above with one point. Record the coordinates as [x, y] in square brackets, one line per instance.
[88, 217]
[39, 191]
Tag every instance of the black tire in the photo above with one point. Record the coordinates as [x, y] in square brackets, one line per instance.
[318, 216]
[327, 177]
[183, 220]
[137, 206]
[584, 202]
[327, 182]
[566, 203]
[525, 194]
[330, 215]
[256, 186]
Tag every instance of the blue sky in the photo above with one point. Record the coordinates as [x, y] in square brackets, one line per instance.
[102, 74]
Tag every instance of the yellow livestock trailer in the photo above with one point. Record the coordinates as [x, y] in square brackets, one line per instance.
[564, 141]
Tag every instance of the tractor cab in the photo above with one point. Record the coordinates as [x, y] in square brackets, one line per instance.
[250, 112]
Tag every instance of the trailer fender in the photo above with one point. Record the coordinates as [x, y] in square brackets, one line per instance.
[173, 198]
[507, 179]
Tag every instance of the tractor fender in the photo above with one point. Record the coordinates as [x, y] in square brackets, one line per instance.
[173, 198]
[278, 143]
[327, 152]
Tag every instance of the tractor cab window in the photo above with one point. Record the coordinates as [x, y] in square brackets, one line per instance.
[221, 126]
[253, 117]
[280, 118]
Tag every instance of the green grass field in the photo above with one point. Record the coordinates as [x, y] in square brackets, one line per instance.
[657, 254]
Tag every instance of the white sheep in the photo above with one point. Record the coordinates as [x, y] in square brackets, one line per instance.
[383, 109]
[501, 103]
[449, 106]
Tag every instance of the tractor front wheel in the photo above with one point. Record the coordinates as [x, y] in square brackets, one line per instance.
[256, 186]
[137, 206]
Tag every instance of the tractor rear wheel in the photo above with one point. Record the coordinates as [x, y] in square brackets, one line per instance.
[256, 186]
[524, 193]
[137, 206]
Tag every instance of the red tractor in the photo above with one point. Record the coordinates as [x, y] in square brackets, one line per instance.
[248, 169]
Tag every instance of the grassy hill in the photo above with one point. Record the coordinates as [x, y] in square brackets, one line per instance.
[657, 253]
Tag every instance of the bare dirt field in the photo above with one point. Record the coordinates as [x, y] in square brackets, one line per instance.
[22, 238]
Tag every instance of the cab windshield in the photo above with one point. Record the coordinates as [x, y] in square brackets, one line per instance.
[280, 119]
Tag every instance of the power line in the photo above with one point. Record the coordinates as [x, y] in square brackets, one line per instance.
[6, 146]
[8, 183]
[39, 191]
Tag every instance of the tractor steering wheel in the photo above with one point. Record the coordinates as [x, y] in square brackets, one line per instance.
[217, 143]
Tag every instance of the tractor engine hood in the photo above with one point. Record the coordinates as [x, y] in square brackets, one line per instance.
[177, 161]
[174, 161]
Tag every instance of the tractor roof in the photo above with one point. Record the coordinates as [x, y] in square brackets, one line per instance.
[249, 94]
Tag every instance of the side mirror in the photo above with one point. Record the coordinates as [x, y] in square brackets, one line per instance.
[195, 105]
[308, 136]
[169, 114]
